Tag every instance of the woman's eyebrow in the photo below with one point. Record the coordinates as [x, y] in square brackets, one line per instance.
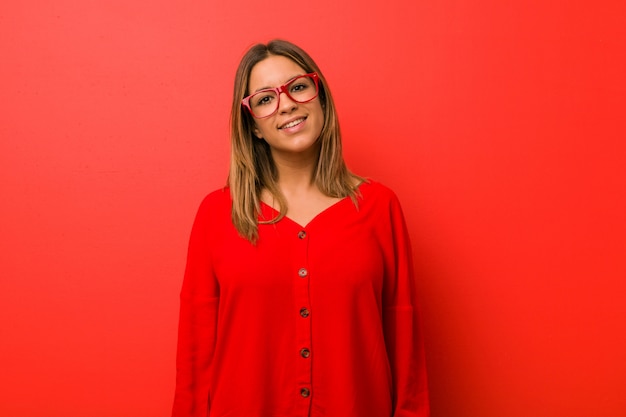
[268, 87]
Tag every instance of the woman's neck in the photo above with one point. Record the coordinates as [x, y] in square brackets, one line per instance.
[295, 171]
[294, 179]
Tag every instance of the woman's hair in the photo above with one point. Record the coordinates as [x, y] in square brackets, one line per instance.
[251, 166]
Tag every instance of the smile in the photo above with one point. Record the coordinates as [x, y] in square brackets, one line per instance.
[293, 123]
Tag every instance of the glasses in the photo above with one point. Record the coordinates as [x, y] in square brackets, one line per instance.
[264, 103]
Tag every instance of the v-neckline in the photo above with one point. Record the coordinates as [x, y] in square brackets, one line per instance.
[308, 225]
[330, 208]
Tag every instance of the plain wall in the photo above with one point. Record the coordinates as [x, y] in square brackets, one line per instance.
[500, 125]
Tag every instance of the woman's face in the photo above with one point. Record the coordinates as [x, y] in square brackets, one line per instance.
[294, 127]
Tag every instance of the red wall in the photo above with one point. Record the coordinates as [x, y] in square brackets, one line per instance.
[499, 124]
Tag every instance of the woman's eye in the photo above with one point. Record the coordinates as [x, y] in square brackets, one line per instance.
[263, 100]
[298, 87]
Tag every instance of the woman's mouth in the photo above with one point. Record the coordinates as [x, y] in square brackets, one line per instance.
[293, 123]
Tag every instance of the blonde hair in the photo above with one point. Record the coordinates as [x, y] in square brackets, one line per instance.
[252, 168]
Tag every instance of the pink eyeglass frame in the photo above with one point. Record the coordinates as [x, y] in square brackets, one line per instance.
[283, 89]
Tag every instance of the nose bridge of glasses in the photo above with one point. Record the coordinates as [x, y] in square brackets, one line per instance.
[284, 89]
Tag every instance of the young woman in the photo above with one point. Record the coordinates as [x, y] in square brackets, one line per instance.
[298, 296]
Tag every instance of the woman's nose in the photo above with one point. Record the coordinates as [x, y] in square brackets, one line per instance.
[285, 103]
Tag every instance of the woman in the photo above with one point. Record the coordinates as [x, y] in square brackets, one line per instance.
[298, 295]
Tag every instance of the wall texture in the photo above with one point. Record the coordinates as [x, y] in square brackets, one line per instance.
[499, 124]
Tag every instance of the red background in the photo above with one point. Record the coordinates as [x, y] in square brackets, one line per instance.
[499, 124]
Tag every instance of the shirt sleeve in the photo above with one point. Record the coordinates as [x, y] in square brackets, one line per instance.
[199, 299]
[401, 321]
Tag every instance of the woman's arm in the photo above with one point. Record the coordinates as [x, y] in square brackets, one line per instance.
[199, 301]
[402, 325]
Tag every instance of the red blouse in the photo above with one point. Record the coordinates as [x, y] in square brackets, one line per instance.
[312, 321]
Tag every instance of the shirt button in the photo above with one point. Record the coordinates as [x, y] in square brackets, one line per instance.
[304, 312]
[303, 272]
[305, 392]
[301, 234]
[305, 353]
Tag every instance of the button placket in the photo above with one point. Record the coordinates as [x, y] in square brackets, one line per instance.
[302, 277]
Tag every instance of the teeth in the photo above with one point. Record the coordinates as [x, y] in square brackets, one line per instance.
[292, 124]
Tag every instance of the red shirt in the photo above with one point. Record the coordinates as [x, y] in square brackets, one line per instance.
[312, 321]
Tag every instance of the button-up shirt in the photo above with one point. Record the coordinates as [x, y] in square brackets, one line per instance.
[311, 321]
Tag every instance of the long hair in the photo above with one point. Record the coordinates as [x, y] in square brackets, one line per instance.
[252, 167]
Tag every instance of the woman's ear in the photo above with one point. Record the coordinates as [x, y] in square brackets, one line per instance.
[257, 133]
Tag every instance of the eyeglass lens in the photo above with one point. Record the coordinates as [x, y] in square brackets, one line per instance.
[300, 90]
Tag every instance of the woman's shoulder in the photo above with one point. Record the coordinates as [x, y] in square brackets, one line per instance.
[371, 189]
[219, 195]
[381, 203]
[216, 201]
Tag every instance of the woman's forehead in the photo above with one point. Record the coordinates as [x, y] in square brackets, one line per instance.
[273, 71]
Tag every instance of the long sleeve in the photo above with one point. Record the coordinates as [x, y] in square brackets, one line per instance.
[402, 325]
[199, 301]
